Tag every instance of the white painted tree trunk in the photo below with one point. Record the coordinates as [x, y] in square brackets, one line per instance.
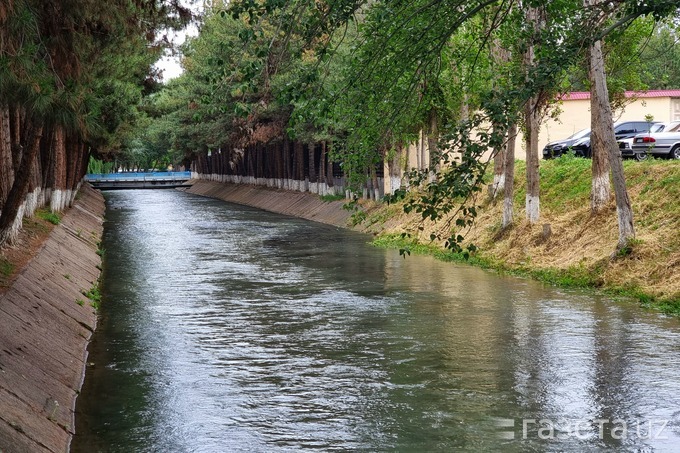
[32, 202]
[604, 130]
[532, 122]
[509, 189]
[602, 135]
[56, 201]
[10, 235]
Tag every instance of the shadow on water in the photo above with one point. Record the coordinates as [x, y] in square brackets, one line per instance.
[225, 328]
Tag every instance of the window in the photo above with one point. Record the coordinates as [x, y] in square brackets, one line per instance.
[625, 128]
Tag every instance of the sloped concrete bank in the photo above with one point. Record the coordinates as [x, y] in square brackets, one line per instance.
[298, 204]
[45, 325]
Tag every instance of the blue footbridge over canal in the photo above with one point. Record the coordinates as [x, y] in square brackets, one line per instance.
[139, 180]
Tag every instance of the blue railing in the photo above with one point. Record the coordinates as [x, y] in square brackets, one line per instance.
[138, 176]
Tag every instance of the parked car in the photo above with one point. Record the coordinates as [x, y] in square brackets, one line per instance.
[626, 144]
[581, 145]
[662, 144]
[559, 147]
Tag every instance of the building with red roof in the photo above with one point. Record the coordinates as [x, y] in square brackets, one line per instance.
[574, 113]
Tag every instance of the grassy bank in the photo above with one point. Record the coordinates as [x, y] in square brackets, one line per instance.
[578, 250]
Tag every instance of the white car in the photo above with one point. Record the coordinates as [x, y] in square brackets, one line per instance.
[626, 144]
[662, 144]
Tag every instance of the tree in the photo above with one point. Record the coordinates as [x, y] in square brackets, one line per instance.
[55, 56]
[535, 18]
[391, 81]
[661, 57]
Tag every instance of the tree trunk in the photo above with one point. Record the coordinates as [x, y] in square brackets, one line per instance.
[6, 164]
[533, 179]
[10, 218]
[500, 58]
[433, 145]
[419, 152]
[287, 164]
[311, 151]
[15, 121]
[602, 130]
[532, 124]
[498, 185]
[329, 168]
[59, 144]
[300, 158]
[509, 177]
[34, 189]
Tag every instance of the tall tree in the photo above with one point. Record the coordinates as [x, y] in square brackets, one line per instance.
[54, 57]
[605, 149]
[535, 18]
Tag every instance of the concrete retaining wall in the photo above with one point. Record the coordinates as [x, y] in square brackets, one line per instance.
[299, 204]
[44, 332]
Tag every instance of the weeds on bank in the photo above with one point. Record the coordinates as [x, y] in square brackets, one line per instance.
[94, 295]
[331, 197]
[6, 271]
[6, 268]
[49, 216]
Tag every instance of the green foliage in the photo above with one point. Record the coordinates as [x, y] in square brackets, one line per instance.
[329, 198]
[370, 77]
[52, 217]
[98, 166]
[6, 268]
[94, 295]
[661, 56]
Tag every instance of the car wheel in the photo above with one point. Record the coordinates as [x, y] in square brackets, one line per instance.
[675, 152]
[641, 156]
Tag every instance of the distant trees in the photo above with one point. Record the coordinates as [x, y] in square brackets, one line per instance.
[71, 73]
[660, 56]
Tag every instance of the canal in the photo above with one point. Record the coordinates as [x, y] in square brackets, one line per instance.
[225, 328]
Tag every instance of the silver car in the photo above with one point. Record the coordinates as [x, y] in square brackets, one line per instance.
[662, 144]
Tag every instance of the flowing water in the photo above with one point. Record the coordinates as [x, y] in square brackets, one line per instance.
[225, 328]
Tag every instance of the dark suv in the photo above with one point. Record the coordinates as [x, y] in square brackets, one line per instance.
[581, 145]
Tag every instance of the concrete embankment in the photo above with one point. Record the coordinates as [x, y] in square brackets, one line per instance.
[45, 325]
[299, 204]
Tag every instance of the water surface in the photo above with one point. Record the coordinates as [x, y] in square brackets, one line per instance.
[225, 328]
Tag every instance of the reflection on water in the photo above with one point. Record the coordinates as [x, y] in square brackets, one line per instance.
[224, 328]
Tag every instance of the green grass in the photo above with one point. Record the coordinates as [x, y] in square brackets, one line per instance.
[329, 198]
[94, 295]
[6, 268]
[49, 216]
